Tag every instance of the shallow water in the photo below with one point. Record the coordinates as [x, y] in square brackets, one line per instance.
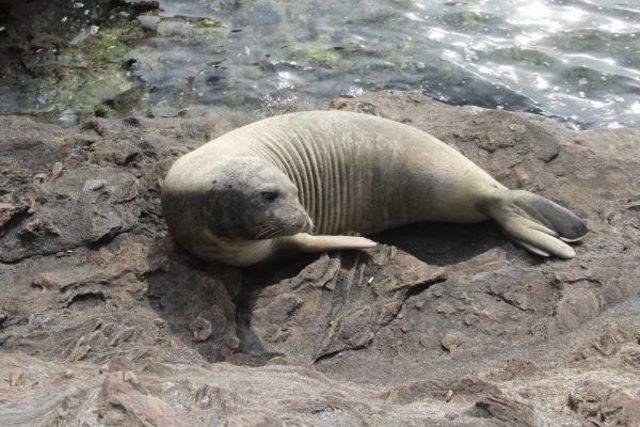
[578, 60]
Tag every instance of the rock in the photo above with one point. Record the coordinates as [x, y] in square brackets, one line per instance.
[74, 215]
[345, 308]
[609, 339]
[510, 411]
[149, 22]
[442, 389]
[445, 308]
[127, 403]
[122, 336]
[630, 355]
[108, 322]
[600, 404]
[8, 212]
[513, 368]
[452, 341]
[201, 329]
[94, 184]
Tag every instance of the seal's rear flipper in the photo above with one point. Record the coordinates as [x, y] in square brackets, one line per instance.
[536, 223]
[304, 242]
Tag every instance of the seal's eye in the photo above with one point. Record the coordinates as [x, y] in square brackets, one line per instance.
[269, 196]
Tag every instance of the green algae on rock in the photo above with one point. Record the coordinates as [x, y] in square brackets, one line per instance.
[64, 66]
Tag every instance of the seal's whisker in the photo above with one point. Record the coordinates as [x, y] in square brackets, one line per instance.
[259, 229]
[274, 233]
[262, 227]
[268, 230]
[259, 233]
[265, 231]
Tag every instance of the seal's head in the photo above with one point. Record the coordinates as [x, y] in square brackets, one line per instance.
[251, 199]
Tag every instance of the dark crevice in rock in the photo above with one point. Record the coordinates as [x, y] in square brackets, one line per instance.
[15, 221]
[327, 356]
[96, 244]
[107, 238]
[18, 260]
[506, 300]
[421, 287]
[249, 342]
[88, 299]
[129, 159]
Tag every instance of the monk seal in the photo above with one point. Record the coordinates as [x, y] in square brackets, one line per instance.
[259, 190]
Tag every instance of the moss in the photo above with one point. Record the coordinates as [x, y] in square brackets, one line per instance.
[202, 22]
[253, 73]
[72, 62]
[469, 21]
[110, 45]
[621, 46]
[586, 40]
[519, 56]
[374, 17]
[317, 53]
[81, 77]
[592, 81]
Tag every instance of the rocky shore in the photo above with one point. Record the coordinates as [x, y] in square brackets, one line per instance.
[104, 321]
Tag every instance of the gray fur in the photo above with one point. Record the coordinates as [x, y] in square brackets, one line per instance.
[349, 172]
[230, 203]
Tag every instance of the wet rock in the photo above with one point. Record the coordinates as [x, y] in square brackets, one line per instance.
[149, 22]
[263, 15]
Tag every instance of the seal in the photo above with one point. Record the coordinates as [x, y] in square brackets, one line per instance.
[257, 191]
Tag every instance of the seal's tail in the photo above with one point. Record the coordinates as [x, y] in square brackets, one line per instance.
[536, 223]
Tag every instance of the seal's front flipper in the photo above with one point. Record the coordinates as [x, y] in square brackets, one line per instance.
[304, 242]
[536, 223]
